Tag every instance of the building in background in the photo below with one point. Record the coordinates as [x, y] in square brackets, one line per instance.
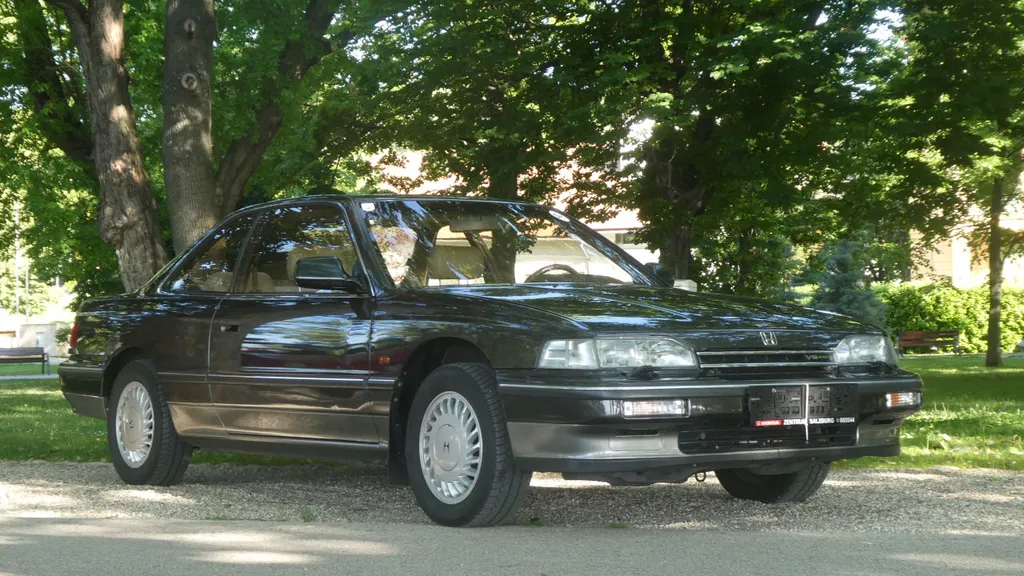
[954, 260]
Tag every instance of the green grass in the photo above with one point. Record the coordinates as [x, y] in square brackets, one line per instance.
[972, 417]
[36, 423]
[23, 369]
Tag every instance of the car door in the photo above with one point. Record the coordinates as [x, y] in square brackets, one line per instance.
[292, 362]
[175, 327]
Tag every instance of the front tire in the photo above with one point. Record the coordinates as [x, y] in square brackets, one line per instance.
[143, 444]
[458, 452]
[774, 488]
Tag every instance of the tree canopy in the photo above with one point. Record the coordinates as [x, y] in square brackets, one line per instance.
[758, 140]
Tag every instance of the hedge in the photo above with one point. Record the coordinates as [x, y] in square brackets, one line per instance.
[943, 307]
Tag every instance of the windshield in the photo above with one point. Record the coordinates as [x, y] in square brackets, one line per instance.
[445, 242]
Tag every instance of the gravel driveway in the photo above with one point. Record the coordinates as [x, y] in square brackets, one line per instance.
[940, 500]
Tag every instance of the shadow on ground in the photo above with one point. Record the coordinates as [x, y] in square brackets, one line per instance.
[935, 501]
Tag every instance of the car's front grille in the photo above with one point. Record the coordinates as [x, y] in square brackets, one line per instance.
[759, 364]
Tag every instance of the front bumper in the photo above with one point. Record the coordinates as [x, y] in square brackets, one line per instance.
[562, 422]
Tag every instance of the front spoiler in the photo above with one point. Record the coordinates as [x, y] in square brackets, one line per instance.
[564, 423]
[689, 464]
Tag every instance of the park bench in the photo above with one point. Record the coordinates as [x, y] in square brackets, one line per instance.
[928, 338]
[22, 355]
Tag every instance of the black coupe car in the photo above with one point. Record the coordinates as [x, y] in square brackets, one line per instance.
[466, 344]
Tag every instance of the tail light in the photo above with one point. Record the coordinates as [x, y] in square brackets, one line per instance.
[74, 335]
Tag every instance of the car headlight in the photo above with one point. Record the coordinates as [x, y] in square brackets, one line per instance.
[616, 353]
[866, 350]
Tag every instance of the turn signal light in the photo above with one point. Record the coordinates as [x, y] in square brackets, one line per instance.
[653, 408]
[899, 399]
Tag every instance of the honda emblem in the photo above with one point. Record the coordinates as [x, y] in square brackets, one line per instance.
[769, 339]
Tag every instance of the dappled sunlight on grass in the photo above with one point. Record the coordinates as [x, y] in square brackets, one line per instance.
[26, 368]
[972, 416]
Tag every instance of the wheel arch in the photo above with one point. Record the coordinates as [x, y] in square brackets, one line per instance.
[117, 362]
[426, 358]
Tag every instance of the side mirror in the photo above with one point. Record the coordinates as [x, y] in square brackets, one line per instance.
[325, 273]
[662, 272]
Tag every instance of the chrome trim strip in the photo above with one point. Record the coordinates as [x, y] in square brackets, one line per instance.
[80, 369]
[755, 352]
[746, 384]
[295, 440]
[274, 370]
[183, 374]
[625, 388]
[765, 364]
[253, 378]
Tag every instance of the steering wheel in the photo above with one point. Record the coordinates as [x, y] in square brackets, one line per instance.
[539, 274]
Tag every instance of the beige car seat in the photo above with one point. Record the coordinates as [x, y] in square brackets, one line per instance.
[453, 264]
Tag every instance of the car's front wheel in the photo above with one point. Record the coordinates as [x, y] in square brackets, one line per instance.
[144, 446]
[458, 451]
[774, 488]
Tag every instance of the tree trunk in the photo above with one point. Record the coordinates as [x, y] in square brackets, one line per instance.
[672, 176]
[127, 217]
[677, 253]
[993, 356]
[503, 183]
[187, 102]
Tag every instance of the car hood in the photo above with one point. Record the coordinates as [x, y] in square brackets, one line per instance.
[629, 308]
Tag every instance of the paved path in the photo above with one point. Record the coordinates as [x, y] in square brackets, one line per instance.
[53, 547]
[63, 518]
[52, 376]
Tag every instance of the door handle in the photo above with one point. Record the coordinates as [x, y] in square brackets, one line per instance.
[229, 327]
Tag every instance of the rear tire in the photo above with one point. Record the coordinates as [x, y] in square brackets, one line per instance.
[143, 444]
[458, 451]
[774, 488]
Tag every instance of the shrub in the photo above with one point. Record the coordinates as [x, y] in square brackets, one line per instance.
[840, 288]
[943, 307]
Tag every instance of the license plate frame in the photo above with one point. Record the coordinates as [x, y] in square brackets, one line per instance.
[802, 405]
[829, 404]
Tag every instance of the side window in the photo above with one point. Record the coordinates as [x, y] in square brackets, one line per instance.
[290, 234]
[214, 268]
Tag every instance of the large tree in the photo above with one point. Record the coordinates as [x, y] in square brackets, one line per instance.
[99, 104]
[488, 94]
[962, 99]
[745, 101]
[201, 190]
[214, 115]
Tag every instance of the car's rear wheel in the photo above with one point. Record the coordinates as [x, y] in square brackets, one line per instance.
[774, 488]
[144, 446]
[459, 454]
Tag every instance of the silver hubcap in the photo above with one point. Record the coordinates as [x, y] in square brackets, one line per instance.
[450, 447]
[134, 426]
